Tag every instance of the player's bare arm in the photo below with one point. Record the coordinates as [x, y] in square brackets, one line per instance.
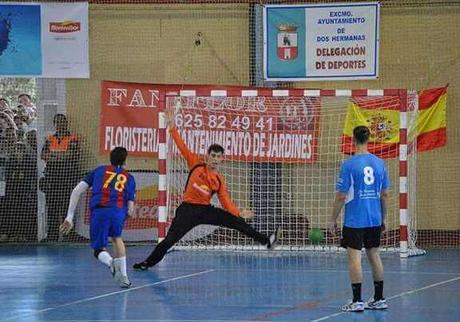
[339, 201]
[384, 204]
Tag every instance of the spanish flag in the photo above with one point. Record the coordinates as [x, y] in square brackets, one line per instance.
[381, 115]
[431, 119]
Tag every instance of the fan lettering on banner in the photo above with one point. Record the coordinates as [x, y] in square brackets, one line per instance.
[138, 98]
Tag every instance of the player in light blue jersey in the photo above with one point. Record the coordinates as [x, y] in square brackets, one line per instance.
[363, 188]
[112, 199]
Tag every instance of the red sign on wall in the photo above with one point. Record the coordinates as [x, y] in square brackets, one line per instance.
[253, 129]
[129, 118]
[260, 128]
[129, 115]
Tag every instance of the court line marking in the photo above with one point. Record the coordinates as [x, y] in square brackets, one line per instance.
[109, 294]
[396, 296]
[169, 320]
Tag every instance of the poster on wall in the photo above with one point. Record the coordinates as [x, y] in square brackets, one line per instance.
[337, 41]
[249, 128]
[129, 118]
[44, 40]
[260, 129]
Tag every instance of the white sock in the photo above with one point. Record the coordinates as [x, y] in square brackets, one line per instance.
[120, 263]
[105, 258]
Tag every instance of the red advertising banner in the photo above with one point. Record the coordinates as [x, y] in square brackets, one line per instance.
[129, 115]
[253, 129]
[129, 118]
[259, 128]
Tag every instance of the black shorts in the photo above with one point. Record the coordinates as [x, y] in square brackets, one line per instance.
[357, 237]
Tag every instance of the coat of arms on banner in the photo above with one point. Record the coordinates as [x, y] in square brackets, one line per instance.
[287, 42]
[381, 128]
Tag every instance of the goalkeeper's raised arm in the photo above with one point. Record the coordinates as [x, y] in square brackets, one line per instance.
[191, 158]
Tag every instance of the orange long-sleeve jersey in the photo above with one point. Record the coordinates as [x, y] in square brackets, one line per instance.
[202, 182]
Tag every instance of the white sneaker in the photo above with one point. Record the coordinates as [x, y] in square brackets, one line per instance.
[124, 282]
[121, 279]
[375, 305]
[354, 307]
[274, 238]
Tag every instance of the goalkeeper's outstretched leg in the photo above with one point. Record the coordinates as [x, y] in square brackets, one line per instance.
[191, 215]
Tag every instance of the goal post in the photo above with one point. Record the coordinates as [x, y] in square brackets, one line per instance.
[408, 175]
[284, 148]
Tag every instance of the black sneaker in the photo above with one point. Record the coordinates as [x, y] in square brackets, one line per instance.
[143, 266]
[273, 239]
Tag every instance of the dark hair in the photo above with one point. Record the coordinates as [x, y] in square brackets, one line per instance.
[361, 134]
[216, 148]
[62, 116]
[24, 94]
[118, 156]
[4, 99]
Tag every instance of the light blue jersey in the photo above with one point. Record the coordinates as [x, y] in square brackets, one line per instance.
[363, 177]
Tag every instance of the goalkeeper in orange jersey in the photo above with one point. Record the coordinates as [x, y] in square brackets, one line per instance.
[203, 182]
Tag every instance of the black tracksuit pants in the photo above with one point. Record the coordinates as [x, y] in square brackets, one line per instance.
[191, 215]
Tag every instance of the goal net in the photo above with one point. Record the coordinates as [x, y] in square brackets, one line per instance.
[284, 149]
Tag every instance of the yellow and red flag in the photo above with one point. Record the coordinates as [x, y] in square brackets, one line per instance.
[431, 119]
[381, 115]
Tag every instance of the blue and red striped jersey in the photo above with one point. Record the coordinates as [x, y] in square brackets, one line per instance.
[112, 187]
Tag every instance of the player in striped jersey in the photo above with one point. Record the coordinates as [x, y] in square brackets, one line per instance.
[112, 198]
